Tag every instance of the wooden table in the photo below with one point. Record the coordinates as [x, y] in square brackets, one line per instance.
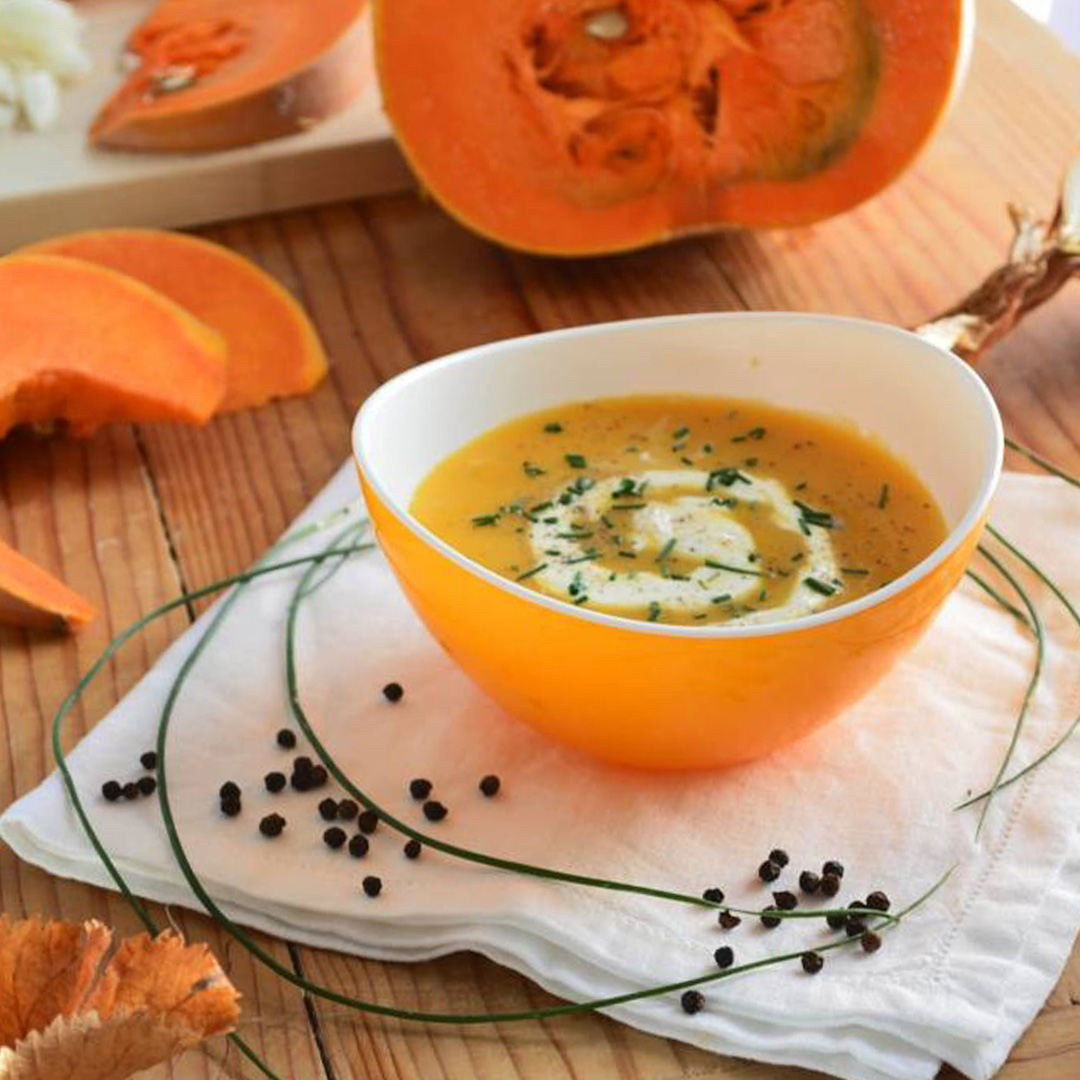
[136, 514]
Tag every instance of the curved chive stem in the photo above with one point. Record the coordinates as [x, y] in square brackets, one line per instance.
[1043, 463]
[1033, 682]
[989, 589]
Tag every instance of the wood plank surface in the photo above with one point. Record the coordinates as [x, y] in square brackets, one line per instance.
[133, 515]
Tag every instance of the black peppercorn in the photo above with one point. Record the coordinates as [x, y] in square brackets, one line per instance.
[275, 782]
[780, 857]
[854, 926]
[149, 760]
[147, 785]
[809, 882]
[878, 901]
[131, 791]
[229, 790]
[768, 871]
[393, 692]
[420, 789]
[833, 867]
[303, 764]
[286, 739]
[318, 777]
[870, 942]
[434, 811]
[368, 822]
[836, 920]
[785, 901]
[328, 809]
[713, 895]
[347, 810]
[300, 781]
[830, 885]
[724, 956]
[413, 849]
[230, 807]
[770, 921]
[812, 962]
[489, 786]
[272, 825]
[112, 790]
[693, 1001]
[728, 921]
[358, 846]
[372, 886]
[334, 837]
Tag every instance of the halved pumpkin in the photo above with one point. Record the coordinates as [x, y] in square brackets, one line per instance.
[588, 126]
[87, 345]
[273, 350]
[211, 74]
[33, 598]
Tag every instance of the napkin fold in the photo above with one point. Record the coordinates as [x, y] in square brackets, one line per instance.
[958, 982]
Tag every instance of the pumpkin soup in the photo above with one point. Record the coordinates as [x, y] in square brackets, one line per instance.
[685, 510]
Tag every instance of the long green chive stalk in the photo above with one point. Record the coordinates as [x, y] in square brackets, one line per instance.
[990, 591]
[1043, 463]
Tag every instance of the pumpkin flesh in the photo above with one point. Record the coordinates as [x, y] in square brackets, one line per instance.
[31, 597]
[577, 126]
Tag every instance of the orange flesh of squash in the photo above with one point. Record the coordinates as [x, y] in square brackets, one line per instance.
[32, 598]
[588, 126]
[273, 350]
[87, 345]
[213, 74]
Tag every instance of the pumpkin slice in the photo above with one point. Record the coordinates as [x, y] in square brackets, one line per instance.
[211, 74]
[33, 598]
[87, 345]
[589, 126]
[273, 350]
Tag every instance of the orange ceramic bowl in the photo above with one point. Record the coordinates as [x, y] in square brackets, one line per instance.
[677, 697]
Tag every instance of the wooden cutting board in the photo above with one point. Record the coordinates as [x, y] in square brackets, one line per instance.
[53, 182]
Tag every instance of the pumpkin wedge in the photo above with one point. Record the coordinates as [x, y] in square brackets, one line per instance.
[212, 74]
[590, 126]
[87, 345]
[33, 598]
[273, 350]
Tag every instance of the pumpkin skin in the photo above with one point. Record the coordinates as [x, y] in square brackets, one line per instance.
[214, 74]
[273, 349]
[576, 127]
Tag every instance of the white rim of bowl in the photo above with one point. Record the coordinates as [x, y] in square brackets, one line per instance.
[987, 486]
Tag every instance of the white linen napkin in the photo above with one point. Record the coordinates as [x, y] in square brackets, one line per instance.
[957, 982]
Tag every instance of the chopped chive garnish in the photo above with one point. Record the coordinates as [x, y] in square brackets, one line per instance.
[677, 447]
[712, 564]
[729, 502]
[763, 595]
[587, 557]
[553, 428]
[725, 478]
[722, 599]
[550, 520]
[707, 448]
[819, 586]
[681, 433]
[552, 551]
[809, 516]
[801, 486]
[686, 461]
[540, 506]
[627, 554]
[574, 535]
[581, 600]
[628, 489]
[485, 519]
[532, 572]
[654, 611]
[577, 585]
[576, 461]
[756, 434]
[851, 570]
[532, 470]
[666, 550]
[606, 521]
[883, 498]
[630, 506]
[751, 462]
[700, 617]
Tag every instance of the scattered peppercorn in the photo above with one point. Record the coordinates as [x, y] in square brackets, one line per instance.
[358, 846]
[724, 956]
[393, 692]
[836, 920]
[318, 777]
[272, 825]
[434, 811]
[413, 849]
[368, 822]
[420, 789]
[112, 790]
[147, 785]
[286, 739]
[489, 786]
[870, 942]
[768, 871]
[854, 926]
[328, 809]
[878, 901]
[301, 781]
[812, 962]
[780, 857]
[334, 837]
[131, 791]
[833, 867]
[809, 882]
[693, 1001]
[372, 886]
[149, 760]
[830, 885]
[770, 921]
[230, 807]
[714, 895]
[229, 790]
[728, 921]
[303, 764]
[275, 782]
[347, 810]
[785, 901]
